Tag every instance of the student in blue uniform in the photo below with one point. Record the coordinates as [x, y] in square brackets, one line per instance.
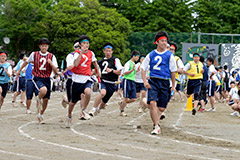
[162, 67]
[30, 87]
[5, 74]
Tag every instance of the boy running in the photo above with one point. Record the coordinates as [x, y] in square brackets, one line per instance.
[81, 76]
[162, 67]
[129, 86]
[44, 63]
[5, 74]
[110, 70]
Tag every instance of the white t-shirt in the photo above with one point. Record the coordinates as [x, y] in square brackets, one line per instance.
[82, 78]
[127, 66]
[69, 59]
[180, 64]
[234, 93]
[211, 70]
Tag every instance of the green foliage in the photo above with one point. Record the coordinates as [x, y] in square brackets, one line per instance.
[23, 23]
[72, 18]
[217, 16]
[169, 15]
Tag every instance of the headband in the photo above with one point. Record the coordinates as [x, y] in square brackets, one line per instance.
[196, 55]
[3, 54]
[162, 37]
[108, 46]
[84, 40]
[173, 47]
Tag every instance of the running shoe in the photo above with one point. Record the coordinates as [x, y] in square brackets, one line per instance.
[23, 104]
[236, 113]
[194, 111]
[202, 110]
[92, 112]
[123, 114]
[40, 118]
[156, 130]
[29, 111]
[68, 122]
[140, 110]
[84, 116]
[162, 116]
[211, 110]
[14, 104]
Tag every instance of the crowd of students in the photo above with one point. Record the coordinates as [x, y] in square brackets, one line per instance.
[154, 78]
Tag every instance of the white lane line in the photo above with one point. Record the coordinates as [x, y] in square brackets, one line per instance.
[20, 130]
[196, 134]
[19, 154]
[135, 147]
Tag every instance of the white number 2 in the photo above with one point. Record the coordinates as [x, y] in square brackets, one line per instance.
[42, 67]
[159, 59]
[105, 64]
[86, 59]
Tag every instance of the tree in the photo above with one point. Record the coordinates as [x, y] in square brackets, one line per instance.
[217, 16]
[23, 23]
[155, 15]
[72, 18]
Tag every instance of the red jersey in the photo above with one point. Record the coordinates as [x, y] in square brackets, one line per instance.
[84, 67]
[42, 68]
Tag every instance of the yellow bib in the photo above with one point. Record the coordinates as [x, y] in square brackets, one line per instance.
[196, 69]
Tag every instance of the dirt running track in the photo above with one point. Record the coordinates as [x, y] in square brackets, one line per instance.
[108, 136]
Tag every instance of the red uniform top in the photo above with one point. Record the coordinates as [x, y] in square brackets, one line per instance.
[84, 67]
[42, 68]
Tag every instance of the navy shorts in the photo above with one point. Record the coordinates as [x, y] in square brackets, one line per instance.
[194, 86]
[178, 87]
[21, 84]
[43, 82]
[129, 89]
[159, 92]
[68, 87]
[77, 89]
[110, 89]
[218, 89]
[211, 88]
[140, 87]
[4, 89]
[30, 89]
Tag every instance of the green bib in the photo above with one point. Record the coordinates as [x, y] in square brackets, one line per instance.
[131, 76]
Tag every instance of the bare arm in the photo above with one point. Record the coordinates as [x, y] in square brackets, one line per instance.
[55, 69]
[128, 72]
[23, 65]
[77, 61]
[173, 77]
[96, 68]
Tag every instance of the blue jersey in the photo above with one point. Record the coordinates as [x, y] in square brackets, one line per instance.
[19, 64]
[205, 73]
[3, 75]
[159, 64]
[28, 73]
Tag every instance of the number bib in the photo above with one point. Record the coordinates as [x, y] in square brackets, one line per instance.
[42, 68]
[159, 64]
[84, 67]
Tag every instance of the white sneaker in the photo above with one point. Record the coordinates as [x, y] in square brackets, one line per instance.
[68, 122]
[140, 110]
[92, 112]
[40, 119]
[211, 110]
[23, 104]
[236, 113]
[14, 104]
[84, 116]
[156, 130]
[123, 114]
[29, 111]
